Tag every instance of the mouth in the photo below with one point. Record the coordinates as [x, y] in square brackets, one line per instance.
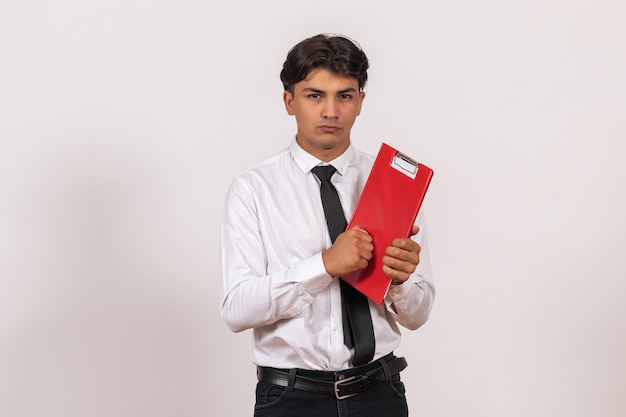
[329, 128]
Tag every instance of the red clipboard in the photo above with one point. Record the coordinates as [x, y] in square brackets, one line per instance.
[387, 209]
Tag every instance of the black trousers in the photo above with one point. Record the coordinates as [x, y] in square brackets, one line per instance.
[384, 399]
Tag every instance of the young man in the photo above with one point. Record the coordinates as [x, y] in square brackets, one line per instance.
[281, 256]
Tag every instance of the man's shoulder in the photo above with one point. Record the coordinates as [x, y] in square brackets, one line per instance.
[358, 153]
[265, 168]
[362, 159]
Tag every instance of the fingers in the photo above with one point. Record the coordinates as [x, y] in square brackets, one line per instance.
[401, 259]
[358, 228]
[351, 251]
[359, 243]
[405, 249]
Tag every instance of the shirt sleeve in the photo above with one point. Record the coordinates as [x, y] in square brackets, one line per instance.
[411, 302]
[250, 297]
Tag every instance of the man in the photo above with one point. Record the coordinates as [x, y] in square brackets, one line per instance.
[281, 261]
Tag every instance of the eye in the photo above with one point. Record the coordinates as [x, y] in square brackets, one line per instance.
[345, 96]
[314, 96]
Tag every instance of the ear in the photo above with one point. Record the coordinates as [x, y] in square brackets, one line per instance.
[362, 97]
[288, 100]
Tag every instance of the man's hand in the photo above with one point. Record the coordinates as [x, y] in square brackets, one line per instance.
[351, 252]
[401, 258]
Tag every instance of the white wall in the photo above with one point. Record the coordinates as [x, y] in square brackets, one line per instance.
[122, 123]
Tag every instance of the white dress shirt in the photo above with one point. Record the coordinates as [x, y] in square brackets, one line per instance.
[271, 271]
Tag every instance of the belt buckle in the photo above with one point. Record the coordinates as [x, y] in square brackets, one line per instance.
[338, 383]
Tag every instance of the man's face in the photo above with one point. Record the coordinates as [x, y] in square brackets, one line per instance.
[325, 106]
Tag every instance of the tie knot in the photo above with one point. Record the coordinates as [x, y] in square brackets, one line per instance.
[324, 172]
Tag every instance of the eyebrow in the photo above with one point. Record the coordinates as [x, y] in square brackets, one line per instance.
[318, 91]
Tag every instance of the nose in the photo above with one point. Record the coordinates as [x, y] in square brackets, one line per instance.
[329, 110]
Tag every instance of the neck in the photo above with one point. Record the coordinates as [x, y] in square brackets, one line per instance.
[324, 153]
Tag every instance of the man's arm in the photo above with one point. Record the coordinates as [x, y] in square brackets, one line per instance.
[407, 264]
[250, 296]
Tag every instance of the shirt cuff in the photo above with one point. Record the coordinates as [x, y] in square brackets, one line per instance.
[399, 291]
[315, 279]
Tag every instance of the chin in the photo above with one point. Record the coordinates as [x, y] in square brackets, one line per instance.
[332, 142]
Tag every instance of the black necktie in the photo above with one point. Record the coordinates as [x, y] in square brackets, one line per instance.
[358, 331]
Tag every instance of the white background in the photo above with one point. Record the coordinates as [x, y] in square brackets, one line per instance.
[123, 122]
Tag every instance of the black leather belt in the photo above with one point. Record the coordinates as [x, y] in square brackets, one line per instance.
[341, 389]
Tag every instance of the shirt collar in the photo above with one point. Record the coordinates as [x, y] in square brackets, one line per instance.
[305, 161]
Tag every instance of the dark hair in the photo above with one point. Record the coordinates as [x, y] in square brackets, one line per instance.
[334, 53]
